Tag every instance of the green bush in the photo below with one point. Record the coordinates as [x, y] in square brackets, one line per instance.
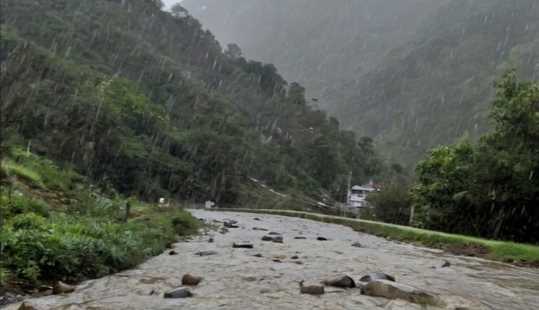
[21, 204]
[72, 247]
[184, 224]
[28, 221]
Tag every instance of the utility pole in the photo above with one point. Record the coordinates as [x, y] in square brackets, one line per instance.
[348, 191]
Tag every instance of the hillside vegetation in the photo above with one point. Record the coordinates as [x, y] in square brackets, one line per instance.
[54, 225]
[148, 102]
[108, 99]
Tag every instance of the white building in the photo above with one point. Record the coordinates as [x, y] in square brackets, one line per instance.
[357, 197]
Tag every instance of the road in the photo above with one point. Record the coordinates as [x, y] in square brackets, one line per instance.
[242, 279]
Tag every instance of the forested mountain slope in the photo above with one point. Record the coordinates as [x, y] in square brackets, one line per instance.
[411, 74]
[148, 102]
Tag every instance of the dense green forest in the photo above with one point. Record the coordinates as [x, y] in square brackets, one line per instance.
[148, 102]
[489, 188]
[412, 74]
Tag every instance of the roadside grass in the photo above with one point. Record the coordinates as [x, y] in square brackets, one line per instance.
[38, 172]
[24, 173]
[56, 226]
[492, 249]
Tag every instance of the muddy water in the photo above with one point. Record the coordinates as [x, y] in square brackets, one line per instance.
[236, 279]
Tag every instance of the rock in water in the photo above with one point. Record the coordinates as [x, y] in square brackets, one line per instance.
[446, 264]
[189, 279]
[62, 288]
[273, 233]
[276, 239]
[206, 253]
[210, 240]
[9, 298]
[311, 289]
[244, 245]
[172, 253]
[342, 282]
[393, 290]
[300, 238]
[231, 224]
[180, 292]
[260, 229]
[357, 245]
[27, 306]
[377, 276]
[322, 239]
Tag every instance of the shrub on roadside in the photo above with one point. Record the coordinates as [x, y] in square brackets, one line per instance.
[67, 247]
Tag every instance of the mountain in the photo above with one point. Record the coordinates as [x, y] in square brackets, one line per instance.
[411, 74]
[148, 102]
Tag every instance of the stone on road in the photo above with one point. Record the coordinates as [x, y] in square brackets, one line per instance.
[242, 279]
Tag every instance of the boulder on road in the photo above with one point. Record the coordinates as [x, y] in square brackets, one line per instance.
[62, 288]
[342, 282]
[377, 276]
[393, 290]
[231, 224]
[28, 306]
[206, 253]
[242, 245]
[260, 229]
[276, 239]
[189, 279]
[180, 292]
[311, 289]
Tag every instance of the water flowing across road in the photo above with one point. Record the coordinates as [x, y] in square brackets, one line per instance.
[242, 279]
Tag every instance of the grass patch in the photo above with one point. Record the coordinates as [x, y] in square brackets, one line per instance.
[74, 247]
[43, 239]
[38, 172]
[495, 250]
[22, 172]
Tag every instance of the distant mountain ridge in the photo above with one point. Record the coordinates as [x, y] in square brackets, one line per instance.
[411, 74]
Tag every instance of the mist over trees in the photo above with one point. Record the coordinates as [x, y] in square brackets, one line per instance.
[411, 74]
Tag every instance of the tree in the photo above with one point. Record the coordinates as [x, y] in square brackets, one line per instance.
[491, 188]
[233, 51]
[392, 203]
[179, 11]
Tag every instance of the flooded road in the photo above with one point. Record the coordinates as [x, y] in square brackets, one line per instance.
[242, 279]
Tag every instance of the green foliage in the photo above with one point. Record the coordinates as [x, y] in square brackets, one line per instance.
[184, 224]
[392, 204]
[26, 174]
[37, 171]
[77, 247]
[174, 117]
[488, 189]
